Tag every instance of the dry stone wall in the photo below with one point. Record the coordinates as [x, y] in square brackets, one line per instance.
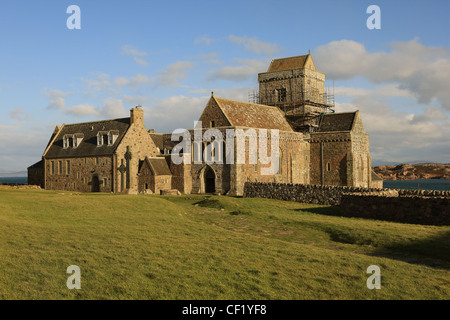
[409, 206]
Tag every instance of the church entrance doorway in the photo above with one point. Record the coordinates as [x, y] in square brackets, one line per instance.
[209, 180]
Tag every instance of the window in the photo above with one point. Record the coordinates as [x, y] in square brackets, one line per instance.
[65, 142]
[281, 95]
[60, 167]
[112, 137]
[212, 124]
[67, 167]
[52, 167]
[96, 161]
[105, 181]
[328, 166]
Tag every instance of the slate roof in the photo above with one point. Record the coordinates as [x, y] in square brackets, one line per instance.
[287, 63]
[252, 115]
[337, 122]
[158, 165]
[157, 140]
[88, 146]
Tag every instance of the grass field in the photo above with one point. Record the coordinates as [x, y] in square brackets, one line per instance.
[197, 247]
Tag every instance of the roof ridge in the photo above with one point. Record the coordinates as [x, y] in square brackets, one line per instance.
[88, 122]
[257, 104]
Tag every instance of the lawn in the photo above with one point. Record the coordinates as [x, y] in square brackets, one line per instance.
[209, 247]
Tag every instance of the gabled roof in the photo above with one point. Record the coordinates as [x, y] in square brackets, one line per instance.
[288, 63]
[252, 115]
[158, 166]
[88, 146]
[337, 121]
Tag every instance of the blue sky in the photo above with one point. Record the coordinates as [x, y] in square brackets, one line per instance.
[169, 56]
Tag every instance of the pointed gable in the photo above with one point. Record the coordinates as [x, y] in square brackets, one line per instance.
[213, 115]
[252, 115]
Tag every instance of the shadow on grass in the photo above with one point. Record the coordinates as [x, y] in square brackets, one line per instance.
[433, 252]
[328, 210]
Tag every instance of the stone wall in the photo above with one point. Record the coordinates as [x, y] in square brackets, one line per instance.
[78, 174]
[306, 193]
[409, 206]
[419, 210]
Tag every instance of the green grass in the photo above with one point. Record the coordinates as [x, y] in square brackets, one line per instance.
[197, 247]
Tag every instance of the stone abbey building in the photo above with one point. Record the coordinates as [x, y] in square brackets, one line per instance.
[315, 145]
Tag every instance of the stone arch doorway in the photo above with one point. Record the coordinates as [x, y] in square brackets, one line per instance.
[95, 184]
[208, 178]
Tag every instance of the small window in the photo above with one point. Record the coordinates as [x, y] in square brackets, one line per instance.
[213, 124]
[65, 142]
[60, 167]
[96, 161]
[99, 139]
[105, 181]
[328, 166]
[281, 95]
[53, 167]
[67, 167]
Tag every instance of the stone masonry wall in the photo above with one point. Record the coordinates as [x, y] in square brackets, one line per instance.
[409, 206]
[419, 210]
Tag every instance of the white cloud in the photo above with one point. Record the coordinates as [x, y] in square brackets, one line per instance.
[135, 100]
[82, 110]
[389, 90]
[421, 70]
[246, 69]
[133, 82]
[136, 54]
[18, 114]
[173, 73]
[101, 82]
[168, 114]
[211, 55]
[204, 40]
[254, 45]
[57, 98]
[141, 61]
[401, 136]
[113, 108]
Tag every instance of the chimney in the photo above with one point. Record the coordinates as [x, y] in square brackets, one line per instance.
[137, 115]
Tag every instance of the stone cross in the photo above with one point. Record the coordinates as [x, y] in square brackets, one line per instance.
[128, 157]
[122, 169]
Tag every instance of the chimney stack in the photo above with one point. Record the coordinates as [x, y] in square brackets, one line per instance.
[137, 115]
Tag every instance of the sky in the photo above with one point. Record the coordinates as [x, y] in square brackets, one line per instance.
[168, 56]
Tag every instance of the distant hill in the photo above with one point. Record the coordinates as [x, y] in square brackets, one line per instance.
[12, 174]
[413, 171]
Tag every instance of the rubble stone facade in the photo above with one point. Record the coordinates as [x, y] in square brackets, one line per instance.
[120, 155]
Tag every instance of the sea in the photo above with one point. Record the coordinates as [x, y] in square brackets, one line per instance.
[18, 180]
[423, 184]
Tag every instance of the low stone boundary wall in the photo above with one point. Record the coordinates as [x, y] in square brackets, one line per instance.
[409, 206]
[308, 193]
[419, 210]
